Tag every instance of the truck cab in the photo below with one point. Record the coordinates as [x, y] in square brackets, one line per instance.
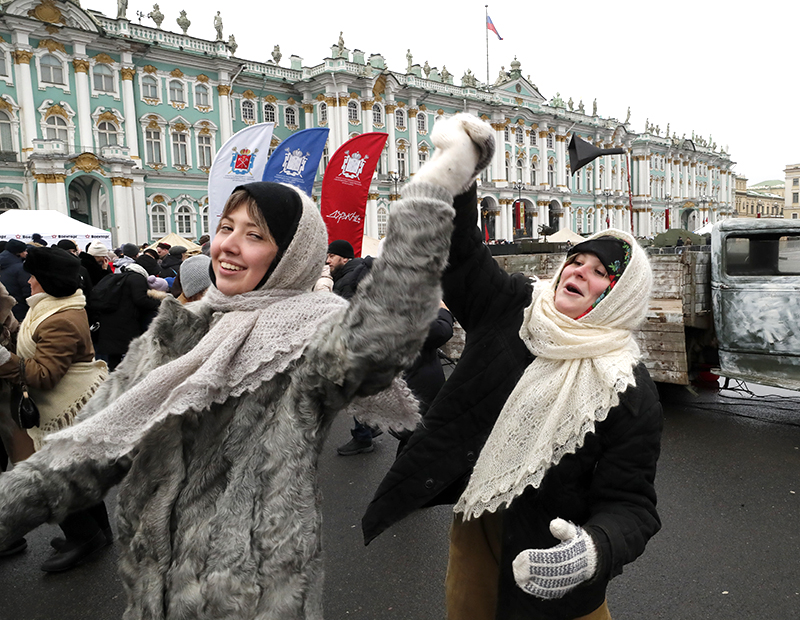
[755, 292]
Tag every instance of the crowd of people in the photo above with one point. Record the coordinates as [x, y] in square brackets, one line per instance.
[208, 402]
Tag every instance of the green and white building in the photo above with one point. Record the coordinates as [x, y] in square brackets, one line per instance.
[117, 124]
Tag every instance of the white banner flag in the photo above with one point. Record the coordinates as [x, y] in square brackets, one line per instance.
[240, 160]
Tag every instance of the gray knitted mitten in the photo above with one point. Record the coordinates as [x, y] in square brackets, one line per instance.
[464, 146]
[551, 573]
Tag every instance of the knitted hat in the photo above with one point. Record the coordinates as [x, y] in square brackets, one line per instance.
[96, 248]
[66, 244]
[158, 284]
[342, 248]
[194, 275]
[130, 249]
[55, 269]
[15, 246]
[281, 207]
[177, 250]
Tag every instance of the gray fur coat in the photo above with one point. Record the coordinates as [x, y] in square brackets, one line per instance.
[218, 512]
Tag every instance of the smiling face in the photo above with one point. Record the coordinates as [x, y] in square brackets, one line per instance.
[242, 252]
[582, 281]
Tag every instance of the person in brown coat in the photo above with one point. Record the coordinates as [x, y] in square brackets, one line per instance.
[55, 352]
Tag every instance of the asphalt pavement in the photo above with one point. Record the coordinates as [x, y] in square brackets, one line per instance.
[729, 499]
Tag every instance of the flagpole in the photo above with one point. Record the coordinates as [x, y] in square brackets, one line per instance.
[486, 27]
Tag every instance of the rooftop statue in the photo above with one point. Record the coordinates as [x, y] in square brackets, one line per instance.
[232, 45]
[183, 22]
[156, 15]
[122, 8]
[218, 26]
[276, 54]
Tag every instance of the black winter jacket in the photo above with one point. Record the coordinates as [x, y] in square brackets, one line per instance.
[130, 318]
[607, 486]
[347, 277]
[15, 279]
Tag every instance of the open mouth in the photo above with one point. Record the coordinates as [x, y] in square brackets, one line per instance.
[230, 266]
[571, 288]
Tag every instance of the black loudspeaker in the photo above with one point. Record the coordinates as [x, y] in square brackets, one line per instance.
[581, 153]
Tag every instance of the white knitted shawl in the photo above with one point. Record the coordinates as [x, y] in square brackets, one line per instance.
[580, 369]
[256, 336]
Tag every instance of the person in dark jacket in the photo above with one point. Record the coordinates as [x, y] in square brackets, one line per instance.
[14, 277]
[149, 260]
[127, 316]
[171, 264]
[545, 437]
[86, 280]
[96, 262]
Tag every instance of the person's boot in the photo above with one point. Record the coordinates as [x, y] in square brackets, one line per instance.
[73, 552]
[355, 446]
[15, 547]
[59, 541]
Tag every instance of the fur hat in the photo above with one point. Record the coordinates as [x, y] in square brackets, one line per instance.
[55, 269]
[158, 284]
[130, 249]
[36, 239]
[164, 246]
[194, 275]
[342, 248]
[15, 246]
[67, 244]
[96, 248]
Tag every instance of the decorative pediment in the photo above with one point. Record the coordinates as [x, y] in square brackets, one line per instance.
[52, 46]
[54, 14]
[149, 69]
[104, 59]
[88, 162]
[522, 90]
[56, 110]
[249, 94]
[202, 78]
[176, 73]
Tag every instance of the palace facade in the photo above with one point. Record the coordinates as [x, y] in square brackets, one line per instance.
[117, 123]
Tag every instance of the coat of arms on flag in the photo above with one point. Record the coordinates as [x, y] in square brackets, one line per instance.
[353, 165]
[242, 161]
[294, 162]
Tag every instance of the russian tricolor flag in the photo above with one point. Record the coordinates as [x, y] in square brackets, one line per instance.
[491, 27]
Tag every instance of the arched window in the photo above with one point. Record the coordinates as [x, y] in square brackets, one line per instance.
[152, 138]
[149, 87]
[401, 164]
[158, 221]
[57, 128]
[533, 171]
[551, 175]
[180, 149]
[549, 140]
[3, 69]
[521, 169]
[533, 137]
[506, 134]
[323, 113]
[269, 113]
[183, 220]
[6, 203]
[201, 95]
[176, 91]
[52, 69]
[106, 134]
[400, 119]
[423, 157]
[377, 114]
[248, 111]
[6, 141]
[103, 78]
[291, 117]
[352, 111]
[204, 219]
[422, 122]
[383, 218]
[520, 136]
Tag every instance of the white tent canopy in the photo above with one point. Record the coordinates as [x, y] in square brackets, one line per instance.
[705, 230]
[564, 235]
[51, 225]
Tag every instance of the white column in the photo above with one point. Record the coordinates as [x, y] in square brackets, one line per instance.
[122, 195]
[83, 98]
[693, 172]
[27, 109]
[366, 115]
[608, 163]
[620, 182]
[129, 110]
[371, 223]
[413, 159]
[51, 193]
[140, 209]
[561, 167]
[308, 109]
[499, 165]
[543, 157]
[225, 120]
[389, 110]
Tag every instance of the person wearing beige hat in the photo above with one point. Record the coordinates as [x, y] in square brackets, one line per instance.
[96, 261]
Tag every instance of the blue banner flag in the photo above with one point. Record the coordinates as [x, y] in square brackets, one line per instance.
[296, 159]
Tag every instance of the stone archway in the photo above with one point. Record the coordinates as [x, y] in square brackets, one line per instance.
[489, 211]
[88, 201]
[556, 212]
[690, 219]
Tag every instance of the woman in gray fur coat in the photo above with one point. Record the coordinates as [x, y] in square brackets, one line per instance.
[213, 423]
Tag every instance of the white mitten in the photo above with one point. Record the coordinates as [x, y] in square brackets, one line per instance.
[464, 146]
[551, 573]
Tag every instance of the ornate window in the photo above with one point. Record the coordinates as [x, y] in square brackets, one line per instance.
[52, 69]
[180, 149]
[103, 77]
[423, 156]
[401, 164]
[56, 128]
[377, 114]
[323, 113]
[422, 123]
[506, 134]
[3, 68]
[269, 113]
[400, 119]
[6, 203]
[290, 116]
[6, 133]
[352, 111]
[176, 92]
[149, 87]
[158, 220]
[520, 169]
[152, 138]
[551, 175]
[205, 153]
[204, 219]
[383, 219]
[520, 136]
[106, 134]
[533, 170]
[248, 111]
[183, 220]
[533, 137]
[549, 140]
[201, 98]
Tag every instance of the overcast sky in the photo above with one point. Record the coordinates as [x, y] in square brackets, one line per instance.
[724, 70]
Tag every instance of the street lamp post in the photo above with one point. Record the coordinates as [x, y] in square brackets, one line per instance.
[607, 193]
[395, 179]
[703, 203]
[668, 218]
[519, 185]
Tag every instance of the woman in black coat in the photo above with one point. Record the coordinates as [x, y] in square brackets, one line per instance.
[589, 491]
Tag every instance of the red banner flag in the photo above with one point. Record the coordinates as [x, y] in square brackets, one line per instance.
[345, 187]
